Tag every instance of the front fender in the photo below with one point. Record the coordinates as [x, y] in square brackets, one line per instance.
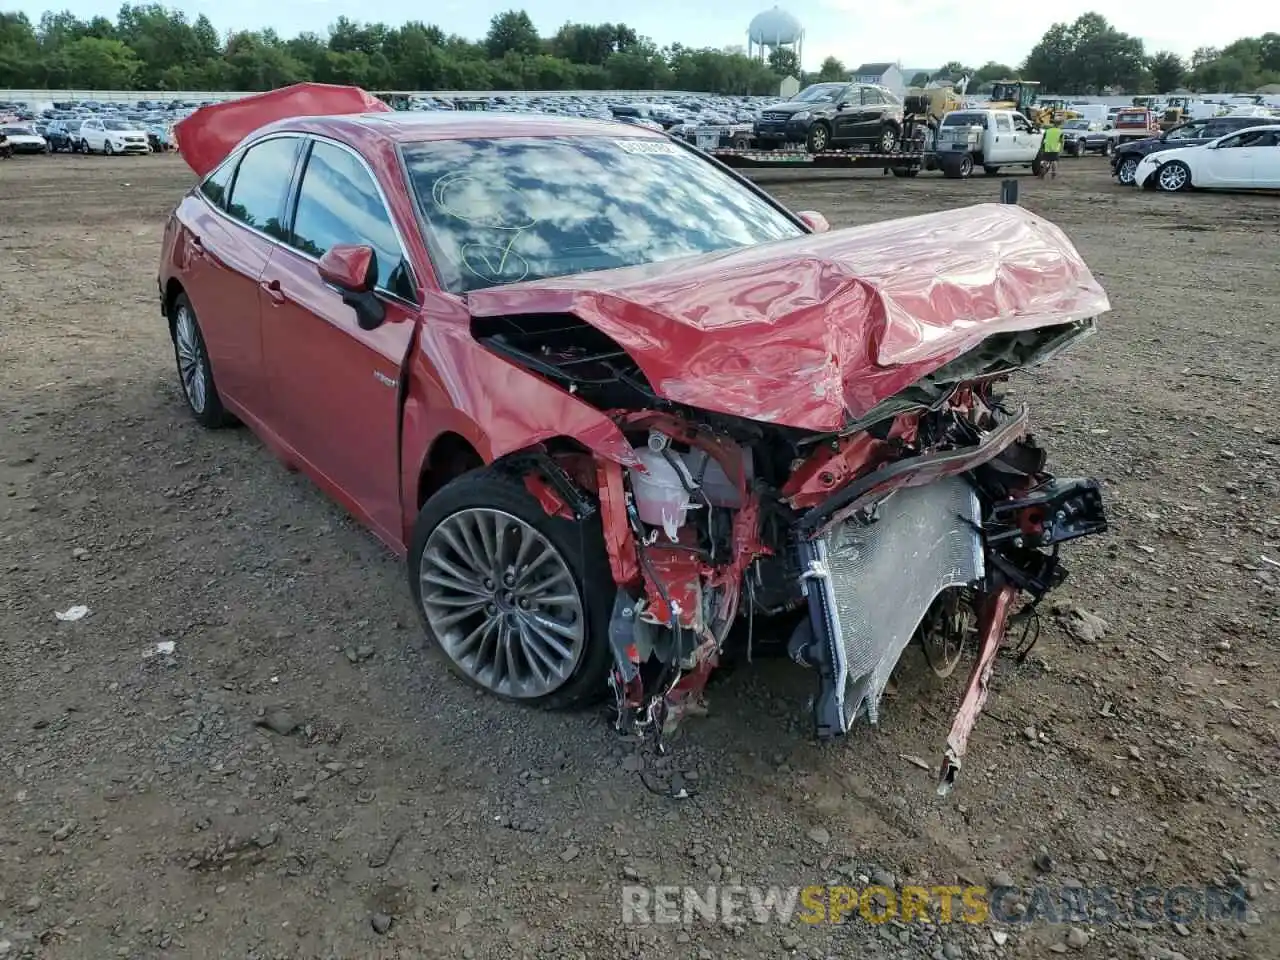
[455, 385]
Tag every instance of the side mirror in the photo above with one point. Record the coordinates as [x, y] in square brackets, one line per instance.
[814, 221]
[353, 270]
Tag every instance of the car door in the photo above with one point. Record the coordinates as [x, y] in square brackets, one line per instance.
[1026, 141]
[93, 134]
[870, 113]
[1228, 163]
[231, 232]
[1001, 139]
[335, 388]
[1266, 166]
[844, 117]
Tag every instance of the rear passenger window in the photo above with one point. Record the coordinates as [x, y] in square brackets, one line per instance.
[216, 184]
[339, 203]
[871, 97]
[261, 183]
[1003, 123]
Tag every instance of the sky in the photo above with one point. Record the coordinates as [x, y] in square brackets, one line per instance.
[917, 33]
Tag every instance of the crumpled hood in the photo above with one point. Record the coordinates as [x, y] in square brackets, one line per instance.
[810, 331]
[207, 136]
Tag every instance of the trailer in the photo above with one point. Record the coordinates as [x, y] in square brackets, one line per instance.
[901, 163]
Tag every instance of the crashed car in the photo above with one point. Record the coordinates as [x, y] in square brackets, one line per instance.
[610, 400]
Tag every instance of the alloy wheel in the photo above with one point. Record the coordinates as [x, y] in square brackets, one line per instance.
[502, 602]
[1172, 177]
[1128, 170]
[819, 139]
[191, 360]
[888, 140]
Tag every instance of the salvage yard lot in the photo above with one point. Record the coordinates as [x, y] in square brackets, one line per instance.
[148, 808]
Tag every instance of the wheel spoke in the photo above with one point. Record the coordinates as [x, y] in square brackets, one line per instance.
[522, 640]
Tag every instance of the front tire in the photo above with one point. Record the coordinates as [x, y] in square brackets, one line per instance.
[819, 138]
[518, 601]
[194, 371]
[1173, 177]
[1127, 171]
[991, 171]
[108, 149]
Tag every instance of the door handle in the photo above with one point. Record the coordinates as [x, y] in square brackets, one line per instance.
[197, 245]
[272, 288]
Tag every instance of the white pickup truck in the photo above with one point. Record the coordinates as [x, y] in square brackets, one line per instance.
[991, 139]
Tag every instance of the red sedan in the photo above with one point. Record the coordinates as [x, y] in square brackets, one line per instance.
[611, 399]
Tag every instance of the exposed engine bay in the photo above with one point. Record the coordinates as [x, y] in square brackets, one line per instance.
[924, 520]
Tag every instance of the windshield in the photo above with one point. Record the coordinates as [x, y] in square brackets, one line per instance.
[1187, 133]
[16, 131]
[965, 120]
[502, 211]
[1076, 125]
[819, 93]
[118, 125]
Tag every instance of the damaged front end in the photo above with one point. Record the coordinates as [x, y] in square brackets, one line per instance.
[926, 514]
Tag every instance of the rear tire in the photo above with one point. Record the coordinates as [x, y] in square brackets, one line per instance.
[958, 169]
[195, 374]
[490, 494]
[889, 137]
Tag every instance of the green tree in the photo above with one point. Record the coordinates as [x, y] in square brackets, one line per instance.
[99, 64]
[1087, 56]
[1167, 71]
[832, 69]
[511, 32]
[784, 62]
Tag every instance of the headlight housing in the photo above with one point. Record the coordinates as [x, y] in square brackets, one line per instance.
[801, 115]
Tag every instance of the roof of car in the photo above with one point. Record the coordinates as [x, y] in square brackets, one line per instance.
[410, 126]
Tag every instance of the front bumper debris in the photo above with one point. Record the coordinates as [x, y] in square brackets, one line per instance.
[872, 573]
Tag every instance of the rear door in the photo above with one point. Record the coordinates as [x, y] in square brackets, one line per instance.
[335, 388]
[229, 239]
[870, 115]
[845, 120]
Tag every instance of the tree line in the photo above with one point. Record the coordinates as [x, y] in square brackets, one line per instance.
[150, 47]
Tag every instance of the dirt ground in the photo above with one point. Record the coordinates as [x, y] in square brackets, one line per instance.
[145, 811]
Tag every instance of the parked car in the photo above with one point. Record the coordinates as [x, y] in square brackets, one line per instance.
[1127, 156]
[514, 348]
[111, 136]
[991, 139]
[1246, 160]
[22, 138]
[62, 136]
[829, 115]
[1080, 137]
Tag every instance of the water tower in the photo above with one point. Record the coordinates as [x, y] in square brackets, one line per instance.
[774, 29]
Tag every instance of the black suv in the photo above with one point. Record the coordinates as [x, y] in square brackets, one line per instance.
[1127, 156]
[827, 115]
